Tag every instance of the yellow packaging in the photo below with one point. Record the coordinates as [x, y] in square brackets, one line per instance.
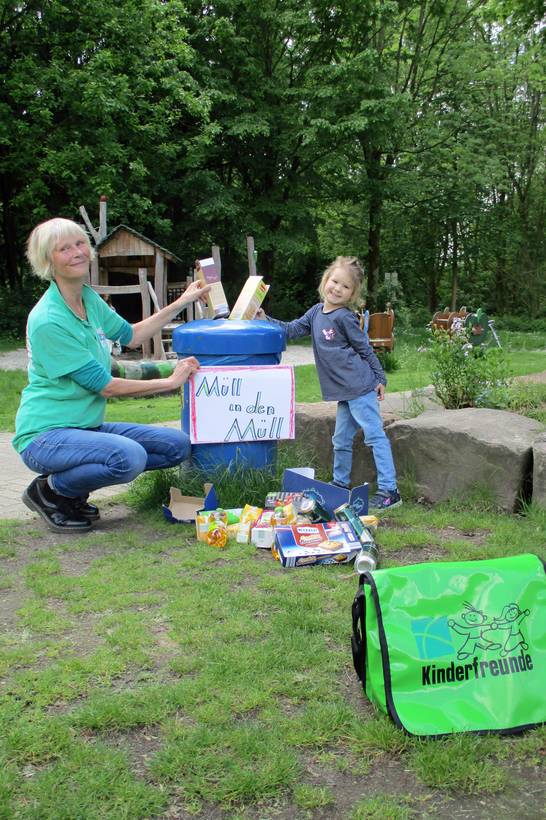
[250, 514]
[217, 535]
[285, 515]
[370, 521]
[204, 519]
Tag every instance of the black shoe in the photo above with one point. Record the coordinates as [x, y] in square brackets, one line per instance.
[85, 510]
[56, 510]
[340, 485]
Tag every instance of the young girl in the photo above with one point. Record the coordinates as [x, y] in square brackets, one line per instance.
[350, 373]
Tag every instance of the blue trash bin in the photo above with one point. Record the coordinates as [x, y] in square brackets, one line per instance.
[225, 342]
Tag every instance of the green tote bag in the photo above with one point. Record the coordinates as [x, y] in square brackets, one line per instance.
[454, 647]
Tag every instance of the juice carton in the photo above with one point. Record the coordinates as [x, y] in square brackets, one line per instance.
[207, 272]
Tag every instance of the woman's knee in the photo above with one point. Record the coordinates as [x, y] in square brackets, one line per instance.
[127, 460]
[177, 446]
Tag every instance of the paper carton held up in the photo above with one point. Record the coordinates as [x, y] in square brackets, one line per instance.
[250, 298]
[207, 273]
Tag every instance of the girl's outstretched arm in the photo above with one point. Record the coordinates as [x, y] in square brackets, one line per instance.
[296, 329]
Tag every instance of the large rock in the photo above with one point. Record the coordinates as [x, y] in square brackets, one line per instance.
[315, 424]
[452, 451]
[539, 470]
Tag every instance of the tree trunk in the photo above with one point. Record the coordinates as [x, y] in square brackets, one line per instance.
[454, 264]
[374, 246]
[10, 273]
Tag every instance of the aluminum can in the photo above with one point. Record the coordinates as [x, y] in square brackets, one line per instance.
[311, 507]
[367, 559]
[348, 513]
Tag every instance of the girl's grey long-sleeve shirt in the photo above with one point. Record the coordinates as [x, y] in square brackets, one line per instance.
[347, 367]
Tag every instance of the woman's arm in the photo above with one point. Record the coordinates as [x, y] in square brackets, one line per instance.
[132, 387]
[144, 330]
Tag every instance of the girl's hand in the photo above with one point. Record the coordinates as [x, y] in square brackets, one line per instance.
[380, 390]
[185, 368]
[260, 314]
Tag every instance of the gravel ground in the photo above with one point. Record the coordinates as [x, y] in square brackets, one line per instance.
[17, 359]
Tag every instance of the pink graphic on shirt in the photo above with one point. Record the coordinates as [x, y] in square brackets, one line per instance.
[329, 333]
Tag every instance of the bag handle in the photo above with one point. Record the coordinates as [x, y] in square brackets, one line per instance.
[358, 639]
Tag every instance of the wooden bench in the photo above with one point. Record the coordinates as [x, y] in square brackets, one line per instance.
[380, 329]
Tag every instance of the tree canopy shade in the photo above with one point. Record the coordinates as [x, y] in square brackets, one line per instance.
[409, 132]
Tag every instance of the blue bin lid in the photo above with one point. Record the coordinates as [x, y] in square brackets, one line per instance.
[225, 336]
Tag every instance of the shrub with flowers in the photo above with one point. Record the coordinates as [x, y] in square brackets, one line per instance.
[465, 375]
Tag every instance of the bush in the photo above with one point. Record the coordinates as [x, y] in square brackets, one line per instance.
[463, 375]
[15, 306]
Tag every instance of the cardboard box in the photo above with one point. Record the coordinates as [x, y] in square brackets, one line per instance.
[310, 544]
[250, 298]
[183, 509]
[207, 272]
[300, 480]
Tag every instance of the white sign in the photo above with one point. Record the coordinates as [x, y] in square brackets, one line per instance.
[252, 403]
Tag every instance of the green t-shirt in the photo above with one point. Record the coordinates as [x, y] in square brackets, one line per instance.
[58, 343]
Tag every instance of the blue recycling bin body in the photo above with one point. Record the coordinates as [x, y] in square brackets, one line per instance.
[225, 342]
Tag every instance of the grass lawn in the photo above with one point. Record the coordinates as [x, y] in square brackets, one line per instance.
[145, 675]
[526, 354]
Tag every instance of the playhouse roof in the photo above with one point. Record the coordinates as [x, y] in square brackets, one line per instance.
[120, 228]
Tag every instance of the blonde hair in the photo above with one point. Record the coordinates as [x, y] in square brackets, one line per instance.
[43, 239]
[352, 266]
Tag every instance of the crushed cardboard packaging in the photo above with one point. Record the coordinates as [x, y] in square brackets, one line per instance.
[183, 509]
[331, 497]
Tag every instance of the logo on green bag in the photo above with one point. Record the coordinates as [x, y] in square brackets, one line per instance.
[432, 637]
[480, 633]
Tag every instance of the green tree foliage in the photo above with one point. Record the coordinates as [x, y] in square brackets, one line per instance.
[409, 132]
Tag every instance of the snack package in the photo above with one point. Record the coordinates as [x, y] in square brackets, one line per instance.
[333, 542]
[204, 519]
[284, 515]
[217, 534]
[250, 514]
[273, 500]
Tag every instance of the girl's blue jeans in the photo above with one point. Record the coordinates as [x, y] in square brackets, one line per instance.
[80, 461]
[362, 412]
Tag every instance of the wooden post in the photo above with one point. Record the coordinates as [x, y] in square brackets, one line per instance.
[190, 312]
[160, 284]
[250, 252]
[95, 271]
[217, 259]
[88, 224]
[146, 310]
[103, 222]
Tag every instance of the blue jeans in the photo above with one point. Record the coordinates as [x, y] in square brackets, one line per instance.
[362, 412]
[80, 461]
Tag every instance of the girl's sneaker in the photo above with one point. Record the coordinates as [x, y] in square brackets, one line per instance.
[384, 500]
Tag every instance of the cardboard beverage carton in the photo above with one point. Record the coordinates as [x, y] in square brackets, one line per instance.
[250, 298]
[207, 273]
[263, 534]
[299, 545]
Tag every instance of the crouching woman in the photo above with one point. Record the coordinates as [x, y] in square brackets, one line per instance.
[60, 428]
